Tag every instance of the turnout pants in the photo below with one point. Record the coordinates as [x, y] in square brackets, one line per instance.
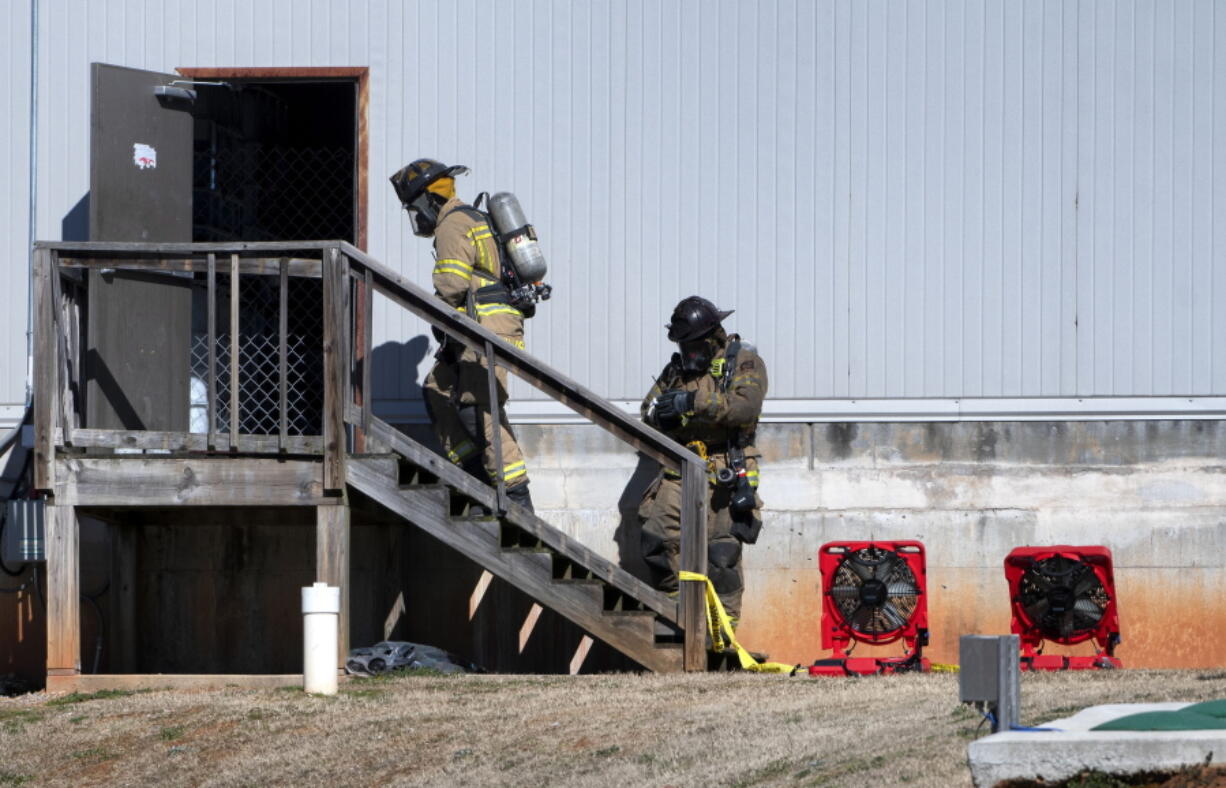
[458, 402]
[660, 514]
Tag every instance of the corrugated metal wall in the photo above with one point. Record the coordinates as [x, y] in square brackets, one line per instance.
[901, 199]
[14, 206]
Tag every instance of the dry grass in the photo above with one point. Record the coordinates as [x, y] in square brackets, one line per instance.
[729, 729]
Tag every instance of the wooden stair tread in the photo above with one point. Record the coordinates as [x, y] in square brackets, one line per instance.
[469, 487]
[529, 569]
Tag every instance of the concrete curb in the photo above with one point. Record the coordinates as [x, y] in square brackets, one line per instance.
[1060, 754]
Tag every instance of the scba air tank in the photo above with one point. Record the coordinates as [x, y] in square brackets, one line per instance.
[518, 236]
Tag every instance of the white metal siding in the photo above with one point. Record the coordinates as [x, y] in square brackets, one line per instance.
[951, 199]
[14, 207]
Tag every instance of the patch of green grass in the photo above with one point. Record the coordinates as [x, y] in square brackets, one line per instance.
[1055, 714]
[93, 754]
[770, 771]
[605, 752]
[13, 778]
[76, 720]
[260, 714]
[364, 693]
[810, 768]
[81, 697]
[16, 720]
[171, 733]
[1095, 779]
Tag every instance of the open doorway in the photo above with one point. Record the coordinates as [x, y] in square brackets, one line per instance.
[279, 154]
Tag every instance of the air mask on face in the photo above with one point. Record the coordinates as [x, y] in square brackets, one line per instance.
[696, 355]
[423, 215]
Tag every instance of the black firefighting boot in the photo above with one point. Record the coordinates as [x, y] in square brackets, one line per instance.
[519, 494]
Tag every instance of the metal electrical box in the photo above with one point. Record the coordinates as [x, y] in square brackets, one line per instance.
[24, 531]
[989, 676]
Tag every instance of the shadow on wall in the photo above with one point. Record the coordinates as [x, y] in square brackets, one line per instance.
[396, 369]
[75, 224]
[629, 530]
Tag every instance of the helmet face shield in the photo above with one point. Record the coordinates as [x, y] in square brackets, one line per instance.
[412, 184]
[422, 216]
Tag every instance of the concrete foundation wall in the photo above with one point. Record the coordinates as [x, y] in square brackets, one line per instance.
[1153, 492]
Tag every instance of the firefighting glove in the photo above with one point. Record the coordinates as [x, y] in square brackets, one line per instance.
[673, 406]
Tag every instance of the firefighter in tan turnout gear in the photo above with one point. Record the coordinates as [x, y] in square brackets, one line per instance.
[708, 397]
[467, 275]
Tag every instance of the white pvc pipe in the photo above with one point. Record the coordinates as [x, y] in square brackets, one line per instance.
[321, 607]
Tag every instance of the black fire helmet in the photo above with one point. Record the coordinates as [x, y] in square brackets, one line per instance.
[694, 318]
[411, 180]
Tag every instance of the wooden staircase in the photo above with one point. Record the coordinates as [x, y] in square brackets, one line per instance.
[277, 466]
[518, 547]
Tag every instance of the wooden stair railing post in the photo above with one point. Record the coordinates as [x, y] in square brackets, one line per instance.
[235, 383]
[62, 361]
[366, 317]
[336, 366]
[283, 354]
[45, 388]
[212, 317]
[496, 425]
[693, 611]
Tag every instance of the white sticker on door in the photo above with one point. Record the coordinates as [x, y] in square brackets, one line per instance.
[144, 156]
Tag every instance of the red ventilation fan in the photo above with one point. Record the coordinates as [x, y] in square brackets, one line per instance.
[1065, 595]
[872, 592]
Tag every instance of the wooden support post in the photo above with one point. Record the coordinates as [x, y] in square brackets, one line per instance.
[496, 425]
[63, 591]
[212, 299]
[332, 564]
[45, 388]
[235, 383]
[692, 614]
[335, 288]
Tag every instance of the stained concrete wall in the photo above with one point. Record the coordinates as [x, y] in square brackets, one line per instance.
[1153, 492]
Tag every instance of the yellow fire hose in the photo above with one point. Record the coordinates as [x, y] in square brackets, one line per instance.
[723, 637]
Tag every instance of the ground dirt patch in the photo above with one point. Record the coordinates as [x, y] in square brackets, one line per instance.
[615, 730]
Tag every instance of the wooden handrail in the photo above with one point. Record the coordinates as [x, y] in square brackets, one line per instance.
[655, 444]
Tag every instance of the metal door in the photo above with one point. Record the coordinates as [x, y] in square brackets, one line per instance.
[139, 325]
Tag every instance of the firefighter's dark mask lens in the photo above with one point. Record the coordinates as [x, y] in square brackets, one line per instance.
[696, 355]
[422, 217]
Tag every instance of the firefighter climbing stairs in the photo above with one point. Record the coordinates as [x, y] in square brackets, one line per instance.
[553, 569]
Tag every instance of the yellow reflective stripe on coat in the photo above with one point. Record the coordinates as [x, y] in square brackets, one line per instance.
[460, 452]
[452, 266]
[476, 235]
[720, 627]
[514, 471]
[485, 310]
